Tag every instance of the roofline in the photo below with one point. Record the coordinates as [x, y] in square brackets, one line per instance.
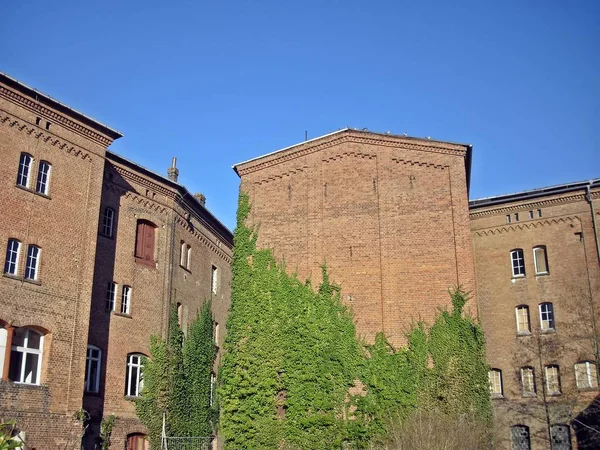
[32, 92]
[213, 221]
[533, 193]
[469, 147]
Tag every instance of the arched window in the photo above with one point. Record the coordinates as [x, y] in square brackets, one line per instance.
[561, 437]
[518, 262]
[23, 175]
[144, 242]
[92, 369]
[43, 179]
[13, 250]
[519, 437]
[552, 379]
[528, 381]
[495, 376]
[138, 441]
[540, 260]
[522, 313]
[107, 222]
[546, 316]
[32, 267]
[133, 379]
[26, 356]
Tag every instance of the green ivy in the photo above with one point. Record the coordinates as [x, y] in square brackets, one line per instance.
[292, 355]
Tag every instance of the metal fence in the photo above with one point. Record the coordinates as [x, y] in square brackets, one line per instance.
[187, 443]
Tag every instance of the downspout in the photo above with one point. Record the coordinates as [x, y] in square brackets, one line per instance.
[588, 197]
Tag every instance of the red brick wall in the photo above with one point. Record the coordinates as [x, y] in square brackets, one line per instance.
[389, 216]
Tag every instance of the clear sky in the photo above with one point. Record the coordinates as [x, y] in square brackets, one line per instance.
[215, 82]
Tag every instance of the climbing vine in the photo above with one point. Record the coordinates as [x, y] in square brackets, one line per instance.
[294, 374]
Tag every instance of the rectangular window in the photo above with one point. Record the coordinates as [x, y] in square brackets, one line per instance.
[108, 220]
[111, 296]
[516, 217]
[24, 170]
[182, 257]
[527, 380]
[531, 214]
[13, 249]
[540, 260]
[214, 280]
[33, 262]
[539, 211]
[586, 375]
[508, 219]
[519, 436]
[518, 262]
[495, 377]
[546, 316]
[144, 243]
[212, 389]
[217, 334]
[522, 319]
[185, 259]
[134, 380]
[126, 300]
[92, 369]
[561, 437]
[552, 380]
[43, 179]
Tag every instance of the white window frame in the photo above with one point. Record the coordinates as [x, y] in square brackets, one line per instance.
[126, 300]
[182, 257]
[528, 380]
[217, 334]
[525, 309]
[589, 374]
[214, 279]
[517, 262]
[3, 343]
[24, 173]
[495, 379]
[32, 266]
[535, 259]
[212, 388]
[90, 358]
[108, 221]
[42, 185]
[111, 295]
[552, 375]
[548, 323]
[11, 264]
[25, 350]
[134, 361]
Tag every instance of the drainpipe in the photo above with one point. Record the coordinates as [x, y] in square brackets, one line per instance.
[588, 197]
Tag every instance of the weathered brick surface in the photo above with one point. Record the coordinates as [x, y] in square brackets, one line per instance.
[566, 230]
[388, 214]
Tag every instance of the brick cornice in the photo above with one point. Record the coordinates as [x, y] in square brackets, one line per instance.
[215, 247]
[37, 108]
[37, 133]
[420, 163]
[524, 226]
[348, 136]
[531, 205]
[144, 181]
[281, 175]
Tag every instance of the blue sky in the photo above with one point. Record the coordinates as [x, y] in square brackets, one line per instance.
[216, 83]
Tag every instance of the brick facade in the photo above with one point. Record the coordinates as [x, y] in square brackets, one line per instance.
[388, 214]
[67, 303]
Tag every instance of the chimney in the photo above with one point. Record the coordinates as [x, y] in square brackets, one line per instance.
[173, 171]
[201, 198]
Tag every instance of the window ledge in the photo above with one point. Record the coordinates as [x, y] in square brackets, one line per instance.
[529, 395]
[27, 385]
[21, 279]
[554, 394]
[517, 277]
[26, 189]
[523, 333]
[145, 262]
[29, 280]
[185, 268]
[120, 314]
[548, 331]
[133, 397]
[497, 397]
[543, 274]
[587, 389]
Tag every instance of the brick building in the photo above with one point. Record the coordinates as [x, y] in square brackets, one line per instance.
[388, 214]
[97, 248]
[538, 290]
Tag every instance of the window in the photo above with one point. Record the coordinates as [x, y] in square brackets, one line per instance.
[528, 380]
[552, 380]
[92, 369]
[108, 220]
[519, 437]
[144, 242]
[546, 316]
[516, 217]
[508, 219]
[586, 375]
[134, 380]
[214, 281]
[530, 214]
[212, 388]
[138, 442]
[495, 376]
[3, 342]
[33, 262]
[11, 265]
[540, 260]
[518, 262]
[522, 313]
[26, 356]
[217, 334]
[561, 437]
[126, 300]
[539, 211]
[25, 164]
[111, 296]
[43, 179]
[186, 256]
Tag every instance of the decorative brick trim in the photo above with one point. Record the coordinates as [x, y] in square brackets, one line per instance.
[127, 174]
[419, 163]
[532, 205]
[43, 136]
[203, 239]
[353, 154]
[58, 118]
[305, 149]
[281, 175]
[525, 226]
